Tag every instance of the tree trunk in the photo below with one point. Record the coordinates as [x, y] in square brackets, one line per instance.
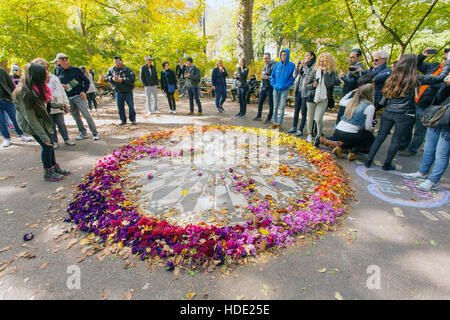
[279, 44]
[244, 30]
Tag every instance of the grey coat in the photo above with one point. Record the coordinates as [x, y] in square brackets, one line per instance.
[34, 122]
[194, 76]
[300, 76]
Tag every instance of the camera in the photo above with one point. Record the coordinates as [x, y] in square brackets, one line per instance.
[352, 69]
[432, 51]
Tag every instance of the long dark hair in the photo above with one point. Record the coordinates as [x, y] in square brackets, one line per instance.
[313, 59]
[403, 79]
[34, 75]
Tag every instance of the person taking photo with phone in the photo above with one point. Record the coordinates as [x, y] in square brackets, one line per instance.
[424, 98]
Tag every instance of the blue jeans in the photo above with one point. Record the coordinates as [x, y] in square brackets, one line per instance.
[221, 95]
[242, 96]
[279, 102]
[437, 150]
[121, 98]
[7, 107]
[266, 92]
[193, 94]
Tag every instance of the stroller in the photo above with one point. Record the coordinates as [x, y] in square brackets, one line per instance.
[104, 91]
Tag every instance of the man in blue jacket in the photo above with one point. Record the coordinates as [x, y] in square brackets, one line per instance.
[281, 80]
[350, 79]
[381, 72]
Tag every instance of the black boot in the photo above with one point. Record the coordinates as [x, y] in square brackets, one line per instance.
[52, 175]
[388, 167]
[61, 171]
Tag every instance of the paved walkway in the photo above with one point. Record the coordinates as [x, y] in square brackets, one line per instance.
[393, 230]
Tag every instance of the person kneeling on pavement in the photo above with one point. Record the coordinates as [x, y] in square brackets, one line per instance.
[332, 142]
[356, 126]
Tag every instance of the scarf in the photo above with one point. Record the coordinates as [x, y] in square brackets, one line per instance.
[321, 90]
[48, 92]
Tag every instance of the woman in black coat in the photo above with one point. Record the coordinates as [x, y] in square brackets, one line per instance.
[399, 111]
[169, 85]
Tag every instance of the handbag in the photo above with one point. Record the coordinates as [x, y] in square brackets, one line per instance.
[433, 115]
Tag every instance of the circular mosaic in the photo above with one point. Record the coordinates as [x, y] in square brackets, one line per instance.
[209, 194]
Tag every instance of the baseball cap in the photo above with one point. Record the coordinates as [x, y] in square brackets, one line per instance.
[59, 56]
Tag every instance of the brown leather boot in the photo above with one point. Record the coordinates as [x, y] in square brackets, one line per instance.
[337, 151]
[352, 156]
[329, 143]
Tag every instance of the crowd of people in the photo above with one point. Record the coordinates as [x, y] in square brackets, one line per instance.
[401, 95]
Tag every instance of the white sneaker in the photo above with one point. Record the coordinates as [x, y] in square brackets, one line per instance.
[149, 113]
[174, 112]
[157, 111]
[95, 137]
[309, 139]
[24, 138]
[427, 185]
[414, 175]
[6, 143]
[82, 136]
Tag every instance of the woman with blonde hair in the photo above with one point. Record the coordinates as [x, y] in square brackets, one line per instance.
[219, 84]
[323, 77]
[356, 126]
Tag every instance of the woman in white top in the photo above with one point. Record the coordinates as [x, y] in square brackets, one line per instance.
[91, 93]
[356, 126]
[59, 104]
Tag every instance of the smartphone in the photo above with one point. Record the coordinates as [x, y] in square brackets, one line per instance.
[432, 51]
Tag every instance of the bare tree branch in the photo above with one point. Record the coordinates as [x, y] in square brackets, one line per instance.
[395, 35]
[421, 21]
[356, 32]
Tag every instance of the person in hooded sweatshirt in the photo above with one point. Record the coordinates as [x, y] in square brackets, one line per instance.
[282, 79]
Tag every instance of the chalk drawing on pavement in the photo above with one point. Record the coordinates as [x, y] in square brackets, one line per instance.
[391, 187]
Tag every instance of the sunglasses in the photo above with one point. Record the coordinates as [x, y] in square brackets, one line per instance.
[118, 62]
[15, 70]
